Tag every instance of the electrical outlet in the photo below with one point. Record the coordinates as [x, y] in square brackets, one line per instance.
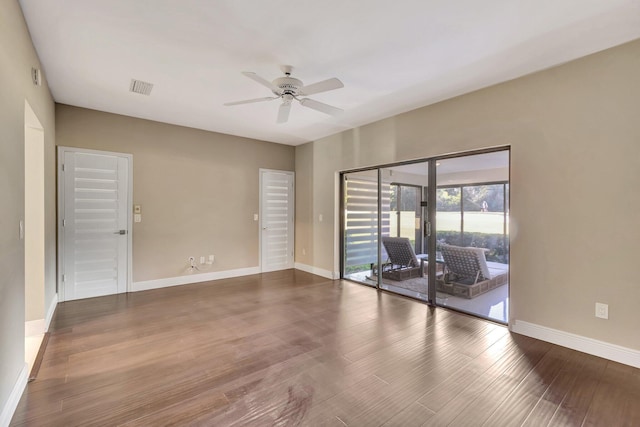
[602, 310]
[211, 258]
[201, 260]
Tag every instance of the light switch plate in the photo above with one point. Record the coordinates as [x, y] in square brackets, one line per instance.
[137, 218]
[137, 209]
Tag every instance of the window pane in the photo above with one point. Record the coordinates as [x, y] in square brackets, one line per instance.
[361, 225]
[484, 219]
[448, 216]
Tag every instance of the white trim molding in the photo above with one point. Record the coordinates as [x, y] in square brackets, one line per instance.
[591, 346]
[11, 404]
[317, 271]
[192, 278]
[51, 312]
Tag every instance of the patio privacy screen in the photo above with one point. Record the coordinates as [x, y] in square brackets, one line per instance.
[361, 218]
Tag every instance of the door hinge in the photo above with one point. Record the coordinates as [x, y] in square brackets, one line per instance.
[64, 222]
[64, 278]
[63, 167]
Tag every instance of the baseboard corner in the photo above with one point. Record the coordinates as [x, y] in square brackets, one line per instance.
[315, 270]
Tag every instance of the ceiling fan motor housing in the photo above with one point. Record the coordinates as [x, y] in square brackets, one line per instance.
[288, 85]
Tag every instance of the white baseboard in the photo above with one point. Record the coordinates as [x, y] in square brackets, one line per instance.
[11, 404]
[192, 278]
[317, 271]
[591, 346]
[50, 312]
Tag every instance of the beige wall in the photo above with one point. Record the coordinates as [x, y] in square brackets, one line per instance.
[17, 56]
[575, 170]
[198, 190]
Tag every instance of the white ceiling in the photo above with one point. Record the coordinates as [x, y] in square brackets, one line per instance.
[393, 56]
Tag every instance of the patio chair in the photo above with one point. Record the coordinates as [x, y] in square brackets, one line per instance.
[402, 261]
[468, 273]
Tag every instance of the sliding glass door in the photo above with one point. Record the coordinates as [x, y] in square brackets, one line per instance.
[383, 228]
[435, 230]
[472, 238]
[403, 261]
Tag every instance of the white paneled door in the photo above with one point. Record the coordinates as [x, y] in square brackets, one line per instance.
[276, 206]
[94, 202]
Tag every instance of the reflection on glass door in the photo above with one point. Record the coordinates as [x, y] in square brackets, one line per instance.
[472, 241]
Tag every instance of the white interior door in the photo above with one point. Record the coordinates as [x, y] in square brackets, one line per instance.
[276, 206]
[95, 205]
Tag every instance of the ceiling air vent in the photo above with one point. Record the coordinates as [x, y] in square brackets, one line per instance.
[138, 86]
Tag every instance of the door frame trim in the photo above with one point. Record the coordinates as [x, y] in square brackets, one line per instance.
[293, 230]
[61, 151]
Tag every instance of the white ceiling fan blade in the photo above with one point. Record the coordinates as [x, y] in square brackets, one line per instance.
[263, 82]
[323, 86]
[320, 106]
[283, 112]
[249, 101]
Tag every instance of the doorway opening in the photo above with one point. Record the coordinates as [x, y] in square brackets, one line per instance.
[34, 234]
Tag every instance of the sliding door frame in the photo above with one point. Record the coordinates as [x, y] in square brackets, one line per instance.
[431, 211]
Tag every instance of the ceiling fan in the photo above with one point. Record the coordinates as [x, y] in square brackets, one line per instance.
[289, 89]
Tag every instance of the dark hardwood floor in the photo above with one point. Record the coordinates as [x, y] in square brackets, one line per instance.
[289, 348]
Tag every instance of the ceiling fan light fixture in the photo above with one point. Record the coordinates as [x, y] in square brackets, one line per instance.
[289, 88]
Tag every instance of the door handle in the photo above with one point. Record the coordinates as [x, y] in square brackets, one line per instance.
[121, 232]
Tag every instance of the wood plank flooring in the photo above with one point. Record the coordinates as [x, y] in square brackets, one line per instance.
[289, 348]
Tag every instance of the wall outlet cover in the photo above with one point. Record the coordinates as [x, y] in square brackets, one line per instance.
[602, 310]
